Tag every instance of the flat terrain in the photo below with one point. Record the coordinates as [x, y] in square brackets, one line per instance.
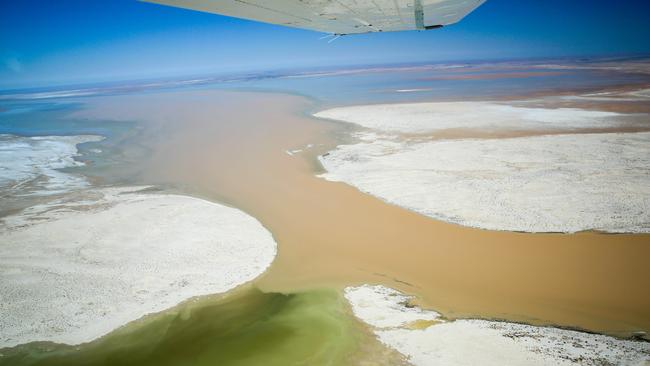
[232, 147]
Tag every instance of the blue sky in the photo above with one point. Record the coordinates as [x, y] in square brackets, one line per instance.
[75, 41]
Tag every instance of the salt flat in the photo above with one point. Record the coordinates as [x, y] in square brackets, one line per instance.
[30, 165]
[482, 342]
[73, 269]
[431, 117]
[555, 183]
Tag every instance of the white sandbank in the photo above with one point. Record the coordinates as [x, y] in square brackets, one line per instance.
[431, 117]
[482, 342]
[30, 165]
[555, 183]
[74, 269]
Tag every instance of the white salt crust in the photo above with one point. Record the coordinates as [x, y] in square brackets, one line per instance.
[76, 268]
[30, 165]
[431, 117]
[481, 342]
[554, 183]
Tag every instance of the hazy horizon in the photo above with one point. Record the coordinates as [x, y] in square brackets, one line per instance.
[216, 77]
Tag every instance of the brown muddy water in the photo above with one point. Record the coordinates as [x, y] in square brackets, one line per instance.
[232, 147]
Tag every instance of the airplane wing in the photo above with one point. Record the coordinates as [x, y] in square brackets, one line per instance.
[339, 16]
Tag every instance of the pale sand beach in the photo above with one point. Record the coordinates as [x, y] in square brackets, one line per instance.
[78, 267]
[232, 147]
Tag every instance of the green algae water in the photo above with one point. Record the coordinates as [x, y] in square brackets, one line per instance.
[246, 328]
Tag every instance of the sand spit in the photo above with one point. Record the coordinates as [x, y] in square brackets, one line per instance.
[30, 165]
[76, 268]
[555, 183]
[425, 339]
[431, 117]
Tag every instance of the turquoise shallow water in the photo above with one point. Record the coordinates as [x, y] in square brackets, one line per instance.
[51, 118]
[108, 160]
